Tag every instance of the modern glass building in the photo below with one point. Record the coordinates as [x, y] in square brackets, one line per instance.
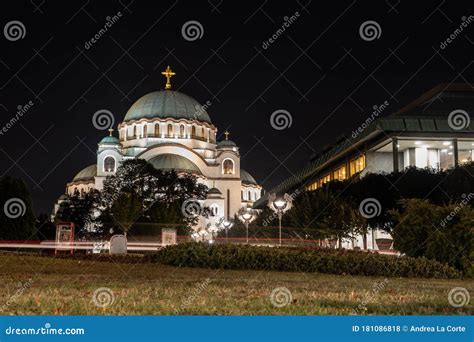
[436, 131]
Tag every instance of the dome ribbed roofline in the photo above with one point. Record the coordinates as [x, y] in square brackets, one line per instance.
[86, 174]
[247, 178]
[167, 104]
[168, 162]
[226, 143]
[110, 140]
[214, 191]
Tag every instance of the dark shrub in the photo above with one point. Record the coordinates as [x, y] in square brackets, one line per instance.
[241, 257]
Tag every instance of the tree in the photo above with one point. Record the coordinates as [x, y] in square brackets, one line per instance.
[159, 193]
[458, 182]
[309, 209]
[45, 229]
[170, 213]
[322, 213]
[125, 211]
[17, 221]
[339, 219]
[78, 209]
[442, 233]
[135, 176]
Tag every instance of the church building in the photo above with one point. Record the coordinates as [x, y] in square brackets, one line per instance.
[173, 131]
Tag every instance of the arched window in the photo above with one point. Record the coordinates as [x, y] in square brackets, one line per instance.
[242, 195]
[228, 167]
[170, 130]
[193, 132]
[181, 131]
[109, 164]
[250, 196]
[202, 133]
[214, 210]
[145, 131]
[134, 132]
[157, 130]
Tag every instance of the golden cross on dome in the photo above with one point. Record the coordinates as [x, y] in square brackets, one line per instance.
[226, 135]
[110, 131]
[168, 73]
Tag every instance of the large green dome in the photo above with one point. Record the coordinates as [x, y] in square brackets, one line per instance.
[167, 104]
[168, 162]
[87, 174]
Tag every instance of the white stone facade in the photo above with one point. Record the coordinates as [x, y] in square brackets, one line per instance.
[181, 135]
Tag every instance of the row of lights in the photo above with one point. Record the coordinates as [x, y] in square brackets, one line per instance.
[444, 150]
[445, 143]
[279, 205]
[246, 215]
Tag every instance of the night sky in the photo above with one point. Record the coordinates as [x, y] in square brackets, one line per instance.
[319, 69]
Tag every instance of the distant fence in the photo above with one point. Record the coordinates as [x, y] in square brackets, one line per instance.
[147, 246]
[146, 237]
[77, 245]
[154, 246]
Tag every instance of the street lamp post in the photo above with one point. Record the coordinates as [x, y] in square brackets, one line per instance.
[227, 224]
[246, 215]
[279, 205]
[213, 231]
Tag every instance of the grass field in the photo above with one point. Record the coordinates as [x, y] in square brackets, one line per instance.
[62, 286]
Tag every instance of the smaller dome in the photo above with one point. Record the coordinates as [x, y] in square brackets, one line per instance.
[110, 140]
[226, 143]
[214, 191]
[247, 177]
[175, 162]
[86, 174]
